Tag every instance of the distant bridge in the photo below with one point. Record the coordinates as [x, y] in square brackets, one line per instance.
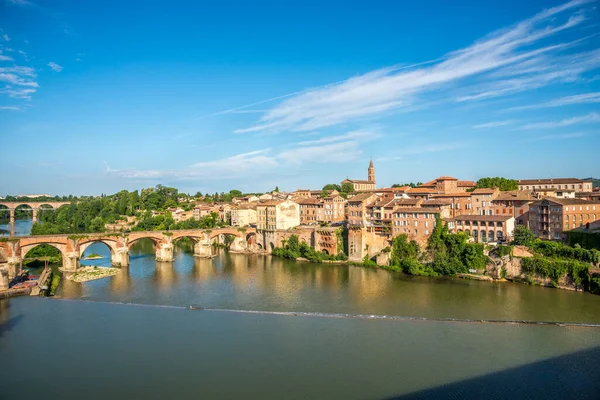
[34, 205]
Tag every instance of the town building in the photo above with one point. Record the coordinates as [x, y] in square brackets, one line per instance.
[201, 211]
[311, 210]
[334, 208]
[550, 217]
[416, 222]
[279, 214]
[560, 184]
[243, 215]
[357, 208]
[484, 228]
[515, 203]
[361, 185]
[481, 200]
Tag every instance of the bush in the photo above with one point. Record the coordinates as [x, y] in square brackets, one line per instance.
[523, 236]
[504, 250]
[556, 268]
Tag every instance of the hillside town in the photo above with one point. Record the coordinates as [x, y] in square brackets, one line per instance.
[549, 207]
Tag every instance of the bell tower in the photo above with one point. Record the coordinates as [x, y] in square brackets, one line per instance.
[371, 172]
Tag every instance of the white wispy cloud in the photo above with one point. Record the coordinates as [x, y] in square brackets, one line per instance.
[494, 124]
[4, 57]
[55, 67]
[10, 108]
[584, 98]
[327, 150]
[504, 53]
[6, 37]
[562, 136]
[583, 119]
[18, 93]
[16, 80]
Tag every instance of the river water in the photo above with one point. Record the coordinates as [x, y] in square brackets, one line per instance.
[88, 344]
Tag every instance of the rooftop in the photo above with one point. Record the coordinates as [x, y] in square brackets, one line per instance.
[550, 181]
[500, 218]
[566, 202]
[361, 197]
[485, 191]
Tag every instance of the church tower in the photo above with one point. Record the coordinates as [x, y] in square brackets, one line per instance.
[371, 172]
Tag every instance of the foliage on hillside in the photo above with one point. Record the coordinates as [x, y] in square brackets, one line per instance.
[293, 249]
[450, 253]
[166, 222]
[555, 269]
[588, 240]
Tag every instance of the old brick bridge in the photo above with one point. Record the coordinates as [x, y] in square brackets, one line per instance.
[243, 240]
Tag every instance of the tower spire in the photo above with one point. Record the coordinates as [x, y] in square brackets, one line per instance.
[371, 171]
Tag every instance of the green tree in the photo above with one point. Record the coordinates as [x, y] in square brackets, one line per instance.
[499, 182]
[347, 187]
[402, 249]
[522, 235]
[332, 186]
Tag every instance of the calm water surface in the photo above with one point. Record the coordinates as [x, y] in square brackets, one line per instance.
[264, 283]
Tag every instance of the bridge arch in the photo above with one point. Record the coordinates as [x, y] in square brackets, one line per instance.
[111, 244]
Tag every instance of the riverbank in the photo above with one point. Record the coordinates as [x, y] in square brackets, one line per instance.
[85, 274]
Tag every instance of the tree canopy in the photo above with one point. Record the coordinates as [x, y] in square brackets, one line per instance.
[503, 184]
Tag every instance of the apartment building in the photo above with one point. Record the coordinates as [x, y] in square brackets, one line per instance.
[334, 208]
[243, 215]
[483, 228]
[416, 222]
[560, 184]
[481, 200]
[280, 214]
[311, 210]
[550, 217]
[515, 203]
[357, 208]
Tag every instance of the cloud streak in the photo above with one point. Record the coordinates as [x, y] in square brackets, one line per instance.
[583, 119]
[494, 124]
[501, 63]
[54, 66]
[327, 150]
[584, 98]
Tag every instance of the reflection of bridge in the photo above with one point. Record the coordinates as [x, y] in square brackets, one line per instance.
[35, 207]
[71, 247]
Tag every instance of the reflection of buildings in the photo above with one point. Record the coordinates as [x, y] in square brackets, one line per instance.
[165, 275]
[121, 282]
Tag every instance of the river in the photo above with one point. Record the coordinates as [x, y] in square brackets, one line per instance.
[88, 344]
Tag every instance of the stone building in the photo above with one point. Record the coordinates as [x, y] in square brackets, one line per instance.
[281, 214]
[550, 217]
[243, 215]
[357, 208]
[560, 184]
[334, 208]
[515, 203]
[416, 222]
[482, 200]
[484, 228]
[311, 210]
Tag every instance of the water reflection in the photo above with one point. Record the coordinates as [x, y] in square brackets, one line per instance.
[267, 283]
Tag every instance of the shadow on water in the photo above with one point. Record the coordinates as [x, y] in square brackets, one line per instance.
[9, 324]
[572, 376]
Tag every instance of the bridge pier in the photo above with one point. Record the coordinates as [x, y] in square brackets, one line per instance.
[70, 261]
[11, 211]
[120, 258]
[164, 252]
[4, 279]
[34, 215]
[202, 249]
[239, 245]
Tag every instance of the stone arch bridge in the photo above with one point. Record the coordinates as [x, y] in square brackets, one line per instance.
[35, 206]
[14, 249]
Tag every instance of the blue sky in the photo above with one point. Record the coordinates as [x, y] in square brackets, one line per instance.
[212, 96]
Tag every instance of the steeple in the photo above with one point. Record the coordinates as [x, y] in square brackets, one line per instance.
[371, 172]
